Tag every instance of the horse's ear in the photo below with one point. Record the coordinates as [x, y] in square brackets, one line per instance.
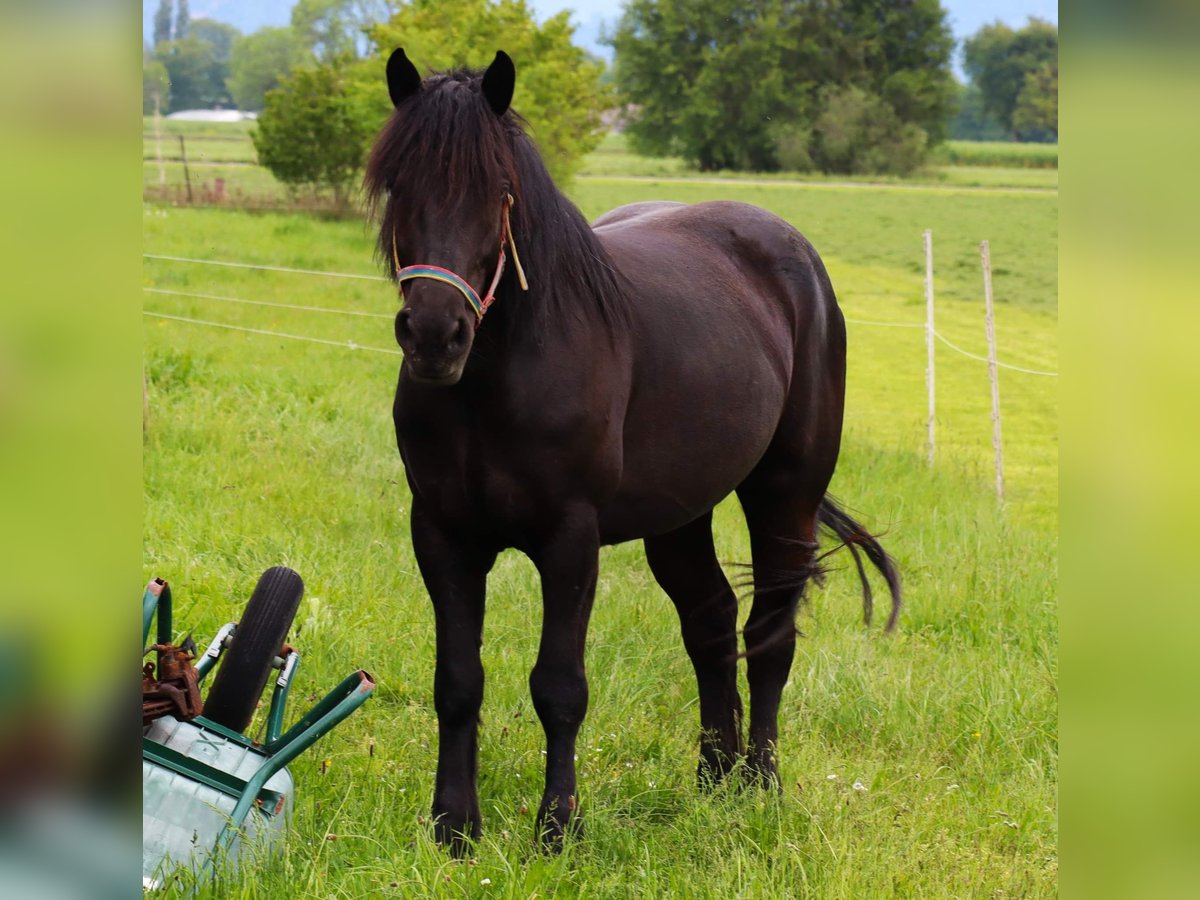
[498, 83]
[402, 76]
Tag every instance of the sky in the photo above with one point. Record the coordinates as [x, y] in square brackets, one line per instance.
[590, 16]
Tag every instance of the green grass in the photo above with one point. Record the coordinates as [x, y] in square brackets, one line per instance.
[958, 163]
[215, 149]
[998, 153]
[262, 451]
[983, 176]
[232, 130]
[249, 183]
[961, 164]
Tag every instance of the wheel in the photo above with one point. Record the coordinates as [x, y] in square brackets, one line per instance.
[246, 663]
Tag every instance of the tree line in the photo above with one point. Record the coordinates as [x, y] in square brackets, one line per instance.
[205, 64]
[844, 86]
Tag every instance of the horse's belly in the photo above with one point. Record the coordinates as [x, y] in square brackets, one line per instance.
[679, 466]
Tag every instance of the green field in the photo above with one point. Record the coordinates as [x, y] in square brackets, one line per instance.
[959, 163]
[210, 146]
[215, 149]
[998, 153]
[923, 764]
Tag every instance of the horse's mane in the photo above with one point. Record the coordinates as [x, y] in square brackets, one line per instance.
[444, 146]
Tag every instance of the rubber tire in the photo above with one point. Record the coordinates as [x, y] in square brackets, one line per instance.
[246, 663]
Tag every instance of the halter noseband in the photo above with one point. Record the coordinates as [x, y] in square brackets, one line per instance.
[445, 276]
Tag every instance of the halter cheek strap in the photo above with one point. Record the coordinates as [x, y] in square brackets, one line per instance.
[445, 276]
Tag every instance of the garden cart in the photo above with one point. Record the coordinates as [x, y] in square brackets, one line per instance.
[209, 792]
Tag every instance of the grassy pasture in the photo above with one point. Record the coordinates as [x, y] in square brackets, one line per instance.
[998, 153]
[964, 164]
[172, 127]
[200, 149]
[956, 163]
[922, 765]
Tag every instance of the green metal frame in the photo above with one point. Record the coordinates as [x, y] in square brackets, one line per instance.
[161, 606]
[277, 752]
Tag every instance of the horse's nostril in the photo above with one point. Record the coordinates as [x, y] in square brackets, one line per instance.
[459, 338]
[403, 326]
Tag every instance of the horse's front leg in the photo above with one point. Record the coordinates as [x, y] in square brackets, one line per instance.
[455, 574]
[568, 562]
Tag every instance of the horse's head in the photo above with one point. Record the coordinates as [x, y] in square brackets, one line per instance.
[442, 169]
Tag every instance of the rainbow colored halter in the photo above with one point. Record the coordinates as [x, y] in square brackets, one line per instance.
[445, 276]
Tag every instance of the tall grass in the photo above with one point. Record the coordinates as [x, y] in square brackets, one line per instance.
[919, 765]
[998, 153]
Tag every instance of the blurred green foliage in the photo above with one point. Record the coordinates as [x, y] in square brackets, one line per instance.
[972, 122]
[221, 35]
[858, 133]
[331, 29]
[315, 130]
[156, 86]
[1036, 115]
[197, 76]
[259, 61]
[559, 90]
[162, 22]
[1016, 71]
[840, 86]
[317, 125]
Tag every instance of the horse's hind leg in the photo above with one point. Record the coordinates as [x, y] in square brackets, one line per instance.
[781, 505]
[684, 563]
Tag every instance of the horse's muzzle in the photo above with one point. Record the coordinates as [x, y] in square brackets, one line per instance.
[435, 346]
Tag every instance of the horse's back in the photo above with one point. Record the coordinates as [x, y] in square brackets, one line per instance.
[634, 210]
[725, 266]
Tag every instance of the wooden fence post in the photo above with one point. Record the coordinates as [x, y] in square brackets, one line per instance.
[993, 373]
[929, 335]
[162, 170]
[186, 175]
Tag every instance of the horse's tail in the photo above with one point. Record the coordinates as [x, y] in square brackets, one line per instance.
[855, 537]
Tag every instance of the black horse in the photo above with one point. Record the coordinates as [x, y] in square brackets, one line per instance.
[625, 381]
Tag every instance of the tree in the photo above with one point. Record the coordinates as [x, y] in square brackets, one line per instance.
[197, 78]
[156, 85]
[858, 133]
[314, 131]
[702, 78]
[220, 34]
[971, 122]
[742, 84]
[900, 52]
[332, 29]
[998, 59]
[197, 64]
[1036, 115]
[259, 61]
[162, 23]
[183, 19]
[559, 91]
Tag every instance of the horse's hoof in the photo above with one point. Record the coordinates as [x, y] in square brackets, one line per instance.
[714, 769]
[762, 772]
[456, 835]
[554, 824]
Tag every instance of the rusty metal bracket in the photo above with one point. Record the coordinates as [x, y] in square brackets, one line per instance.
[176, 689]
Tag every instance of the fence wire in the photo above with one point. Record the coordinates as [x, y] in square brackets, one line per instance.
[347, 345]
[320, 309]
[352, 345]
